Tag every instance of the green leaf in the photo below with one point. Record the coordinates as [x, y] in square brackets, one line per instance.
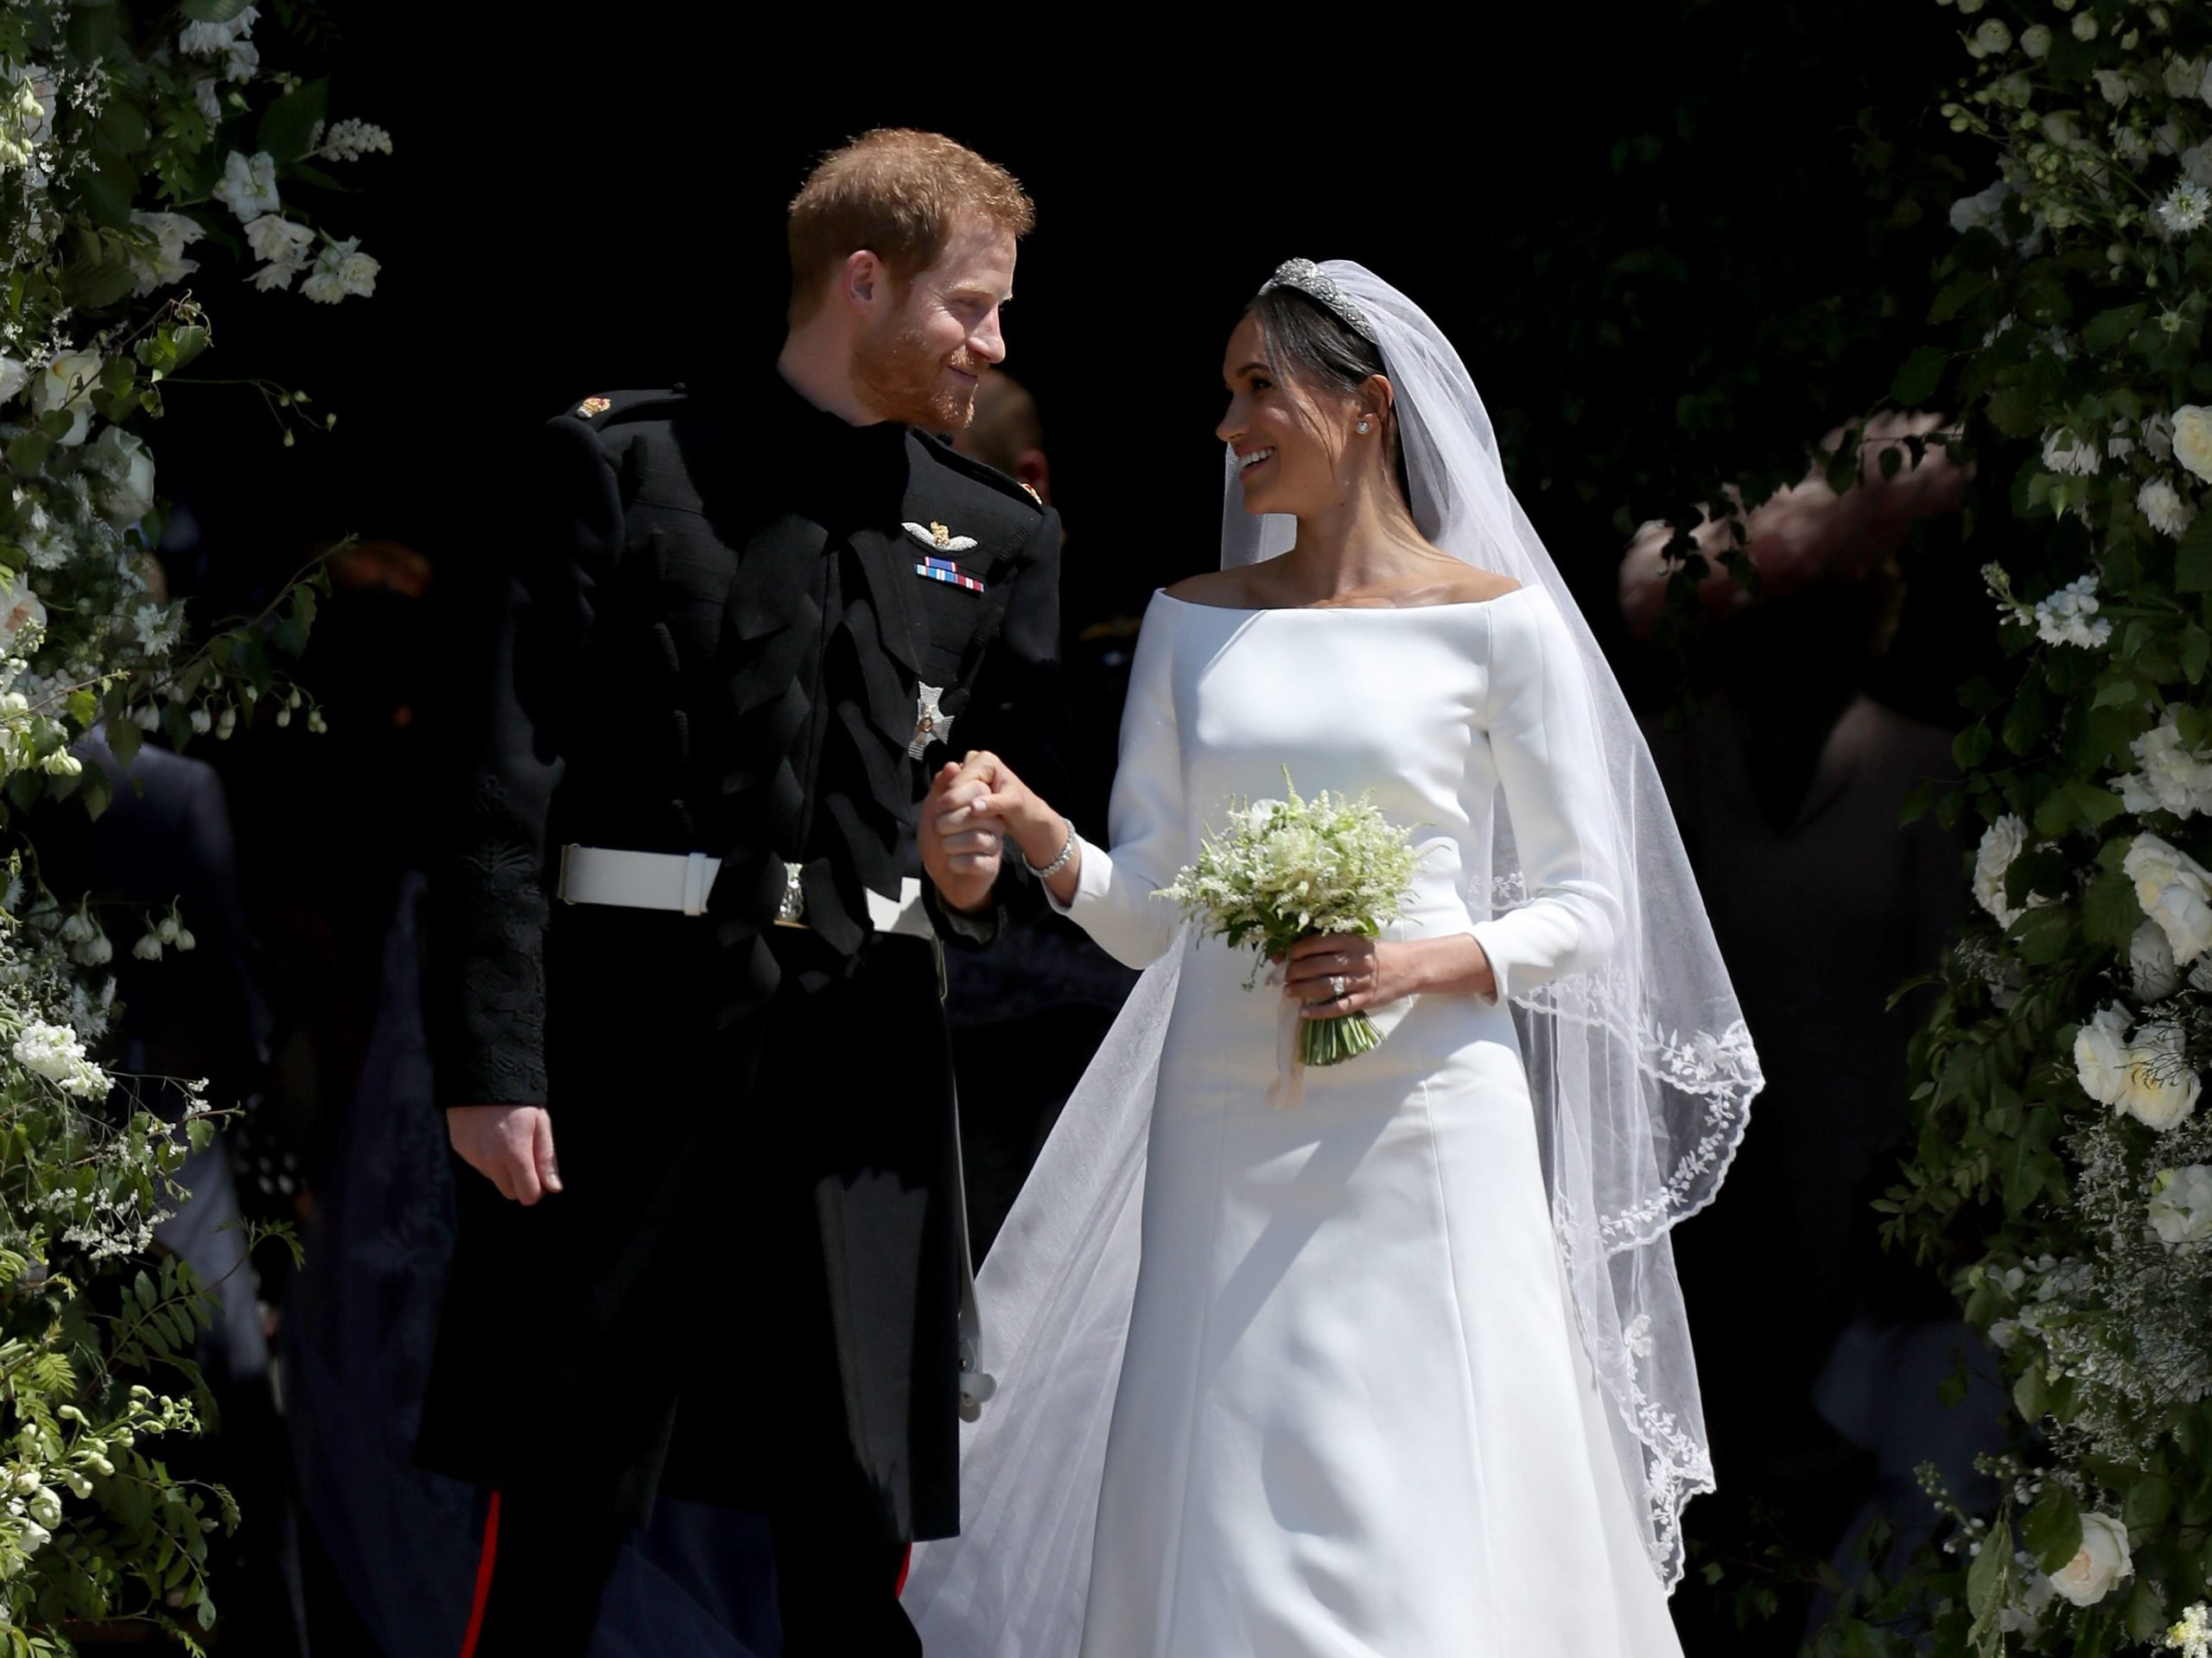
[287, 124]
[2108, 331]
[1922, 372]
[96, 285]
[2149, 1501]
[123, 738]
[2030, 1396]
[2193, 557]
[99, 792]
[26, 452]
[2097, 806]
[188, 343]
[2016, 411]
[1971, 746]
[2052, 1529]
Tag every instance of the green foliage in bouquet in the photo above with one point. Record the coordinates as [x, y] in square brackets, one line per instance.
[1293, 868]
[132, 137]
[2062, 1178]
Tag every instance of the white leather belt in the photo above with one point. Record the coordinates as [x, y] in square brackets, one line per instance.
[674, 881]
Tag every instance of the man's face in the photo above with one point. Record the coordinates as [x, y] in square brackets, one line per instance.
[919, 363]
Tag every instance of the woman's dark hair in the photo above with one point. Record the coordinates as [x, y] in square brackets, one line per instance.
[1308, 342]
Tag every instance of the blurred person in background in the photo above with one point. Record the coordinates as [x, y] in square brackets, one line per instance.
[1789, 782]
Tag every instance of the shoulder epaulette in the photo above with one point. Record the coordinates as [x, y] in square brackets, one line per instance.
[610, 408]
[968, 466]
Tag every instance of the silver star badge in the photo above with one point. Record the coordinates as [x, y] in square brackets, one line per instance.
[931, 723]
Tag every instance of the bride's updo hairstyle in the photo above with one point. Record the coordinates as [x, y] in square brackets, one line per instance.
[1313, 347]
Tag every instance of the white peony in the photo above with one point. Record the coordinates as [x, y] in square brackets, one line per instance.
[66, 382]
[2174, 778]
[2064, 452]
[2181, 1207]
[19, 609]
[2167, 510]
[2101, 1562]
[165, 263]
[2001, 842]
[2101, 1055]
[2035, 41]
[2192, 438]
[249, 185]
[2150, 968]
[2176, 892]
[2160, 1090]
[124, 469]
[276, 240]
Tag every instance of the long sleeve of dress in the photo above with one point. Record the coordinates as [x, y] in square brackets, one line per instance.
[1542, 735]
[1147, 820]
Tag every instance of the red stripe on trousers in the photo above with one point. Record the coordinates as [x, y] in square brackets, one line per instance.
[484, 1564]
[905, 1564]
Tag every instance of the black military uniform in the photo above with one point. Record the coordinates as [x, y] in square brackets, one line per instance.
[742, 627]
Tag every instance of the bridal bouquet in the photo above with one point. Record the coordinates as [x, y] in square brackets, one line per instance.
[1288, 869]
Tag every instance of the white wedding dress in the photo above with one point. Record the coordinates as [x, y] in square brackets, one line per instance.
[1353, 1415]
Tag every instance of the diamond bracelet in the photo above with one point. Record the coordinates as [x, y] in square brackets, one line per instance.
[1067, 851]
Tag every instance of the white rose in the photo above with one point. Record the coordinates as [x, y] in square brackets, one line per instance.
[2181, 1207]
[2161, 1090]
[2001, 842]
[274, 238]
[125, 470]
[2035, 41]
[2151, 963]
[2101, 1055]
[19, 609]
[249, 185]
[2101, 1562]
[66, 382]
[2173, 889]
[2192, 438]
[2167, 510]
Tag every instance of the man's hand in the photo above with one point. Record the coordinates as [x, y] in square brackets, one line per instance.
[511, 1146]
[961, 855]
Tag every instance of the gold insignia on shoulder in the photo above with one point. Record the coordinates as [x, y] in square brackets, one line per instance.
[591, 406]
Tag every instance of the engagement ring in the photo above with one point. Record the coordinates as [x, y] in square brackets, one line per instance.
[1338, 984]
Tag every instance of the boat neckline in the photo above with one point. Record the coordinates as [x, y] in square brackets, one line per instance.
[1339, 610]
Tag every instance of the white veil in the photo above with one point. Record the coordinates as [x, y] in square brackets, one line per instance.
[1641, 1071]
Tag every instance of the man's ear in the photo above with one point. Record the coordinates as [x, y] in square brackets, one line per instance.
[865, 283]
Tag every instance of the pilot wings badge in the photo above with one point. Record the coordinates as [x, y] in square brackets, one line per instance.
[939, 539]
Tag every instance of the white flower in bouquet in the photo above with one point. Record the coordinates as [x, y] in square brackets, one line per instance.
[2180, 1211]
[2182, 75]
[249, 184]
[123, 470]
[2099, 1565]
[2167, 510]
[2191, 1636]
[2069, 616]
[2035, 41]
[2151, 971]
[2085, 26]
[1990, 38]
[208, 98]
[2001, 842]
[166, 264]
[2159, 435]
[348, 141]
[2185, 208]
[1290, 869]
[2065, 451]
[2176, 892]
[2174, 778]
[2115, 85]
[2192, 438]
[14, 376]
[66, 382]
[2101, 1055]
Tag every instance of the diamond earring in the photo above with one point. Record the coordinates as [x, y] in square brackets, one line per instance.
[1361, 429]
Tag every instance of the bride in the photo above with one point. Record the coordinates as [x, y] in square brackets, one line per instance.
[1391, 1362]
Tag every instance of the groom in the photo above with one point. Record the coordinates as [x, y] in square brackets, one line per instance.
[694, 1052]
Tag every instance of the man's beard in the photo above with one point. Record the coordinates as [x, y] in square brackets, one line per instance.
[900, 379]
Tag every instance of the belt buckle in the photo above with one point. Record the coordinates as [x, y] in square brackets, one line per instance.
[790, 909]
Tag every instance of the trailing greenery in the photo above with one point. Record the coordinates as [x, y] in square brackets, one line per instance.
[131, 137]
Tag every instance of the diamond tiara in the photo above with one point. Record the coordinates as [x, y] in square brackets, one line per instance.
[1319, 286]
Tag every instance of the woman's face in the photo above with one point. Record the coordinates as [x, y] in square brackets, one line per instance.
[1289, 439]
